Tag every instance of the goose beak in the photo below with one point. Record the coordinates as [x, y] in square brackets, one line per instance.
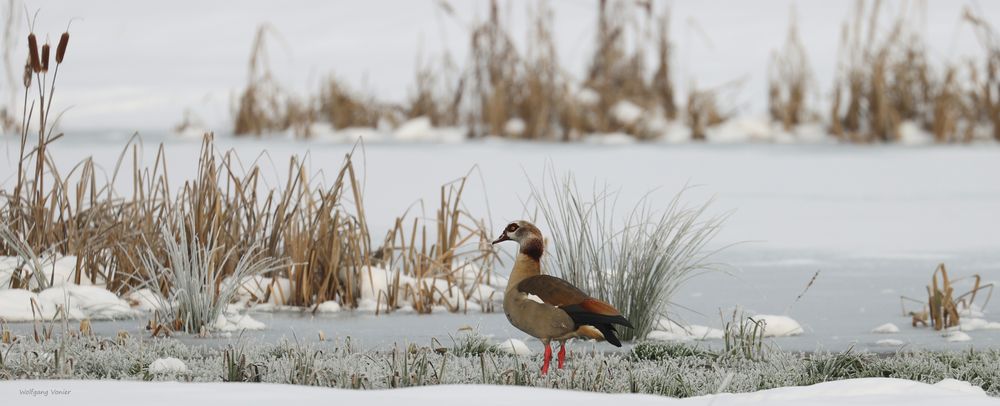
[503, 237]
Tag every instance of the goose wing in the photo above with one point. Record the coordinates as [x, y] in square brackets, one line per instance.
[583, 309]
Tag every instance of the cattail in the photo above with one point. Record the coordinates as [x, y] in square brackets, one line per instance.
[36, 63]
[27, 74]
[45, 58]
[61, 48]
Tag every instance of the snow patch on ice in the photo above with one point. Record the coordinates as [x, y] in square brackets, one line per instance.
[514, 127]
[779, 326]
[890, 342]
[957, 336]
[667, 330]
[514, 346]
[230, 321]
[609, 139]
[329, 306]
[910, 133]
[418, 128]
[626, 112]
[887, 328]
[973, 324]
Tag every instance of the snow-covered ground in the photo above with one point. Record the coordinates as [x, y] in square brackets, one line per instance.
[867, 391]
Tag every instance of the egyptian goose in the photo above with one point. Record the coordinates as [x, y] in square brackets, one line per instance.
[549, 308]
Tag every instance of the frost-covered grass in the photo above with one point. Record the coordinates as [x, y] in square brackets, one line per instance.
[637, 263]
[666, 369]
[193, 267]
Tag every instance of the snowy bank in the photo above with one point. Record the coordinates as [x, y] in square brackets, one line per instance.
[881, 391]
[76, 302]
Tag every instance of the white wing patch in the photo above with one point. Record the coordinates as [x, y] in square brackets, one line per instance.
[534, 298]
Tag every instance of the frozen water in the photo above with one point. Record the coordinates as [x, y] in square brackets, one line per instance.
[874, 221]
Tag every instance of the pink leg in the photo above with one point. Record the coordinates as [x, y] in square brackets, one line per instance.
[562, 354]
[548, 357]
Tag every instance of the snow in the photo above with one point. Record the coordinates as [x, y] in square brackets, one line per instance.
[626, 112]
[15, 304]
[59, 270]
[973, 324]
[741, 129]
[514, 346]
[421, 129]
[778, 326]
[514, 127]
[872, 391]
[418, 128]
[609, 139]
[169, 365]
[588, 97]
[957, 337]
[668, 330]
[146, 300]
[329, 306]
[887, 328]
[376, 283]
[76, 301]
[229, 321]
[910, 133]
[890, 342]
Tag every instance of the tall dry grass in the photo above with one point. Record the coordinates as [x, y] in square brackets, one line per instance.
[789, 79]
[885, 80]
[126, 239]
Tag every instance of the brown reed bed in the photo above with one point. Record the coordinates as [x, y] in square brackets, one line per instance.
[789, 80]
[319, 231]
[885, 79]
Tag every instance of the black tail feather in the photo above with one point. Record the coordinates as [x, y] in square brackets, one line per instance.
[603, 323]
[608, 330]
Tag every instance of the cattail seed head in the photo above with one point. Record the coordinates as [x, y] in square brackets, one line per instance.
[36, 63]
[61, 48]
[27, 74]
[45, 58]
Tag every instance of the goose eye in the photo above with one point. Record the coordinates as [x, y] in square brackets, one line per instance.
[512, 227]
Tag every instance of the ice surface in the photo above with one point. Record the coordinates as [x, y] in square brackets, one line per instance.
[890, 342]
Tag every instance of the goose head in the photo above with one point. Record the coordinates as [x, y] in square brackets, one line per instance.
[519, 231]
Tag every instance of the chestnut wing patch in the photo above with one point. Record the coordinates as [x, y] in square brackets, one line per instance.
[598, 307]
[552, 290]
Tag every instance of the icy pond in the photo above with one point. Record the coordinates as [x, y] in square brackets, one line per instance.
[851, 296]
[873, 220]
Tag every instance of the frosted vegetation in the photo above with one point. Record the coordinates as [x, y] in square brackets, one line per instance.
[666, 369]
[636, 264]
